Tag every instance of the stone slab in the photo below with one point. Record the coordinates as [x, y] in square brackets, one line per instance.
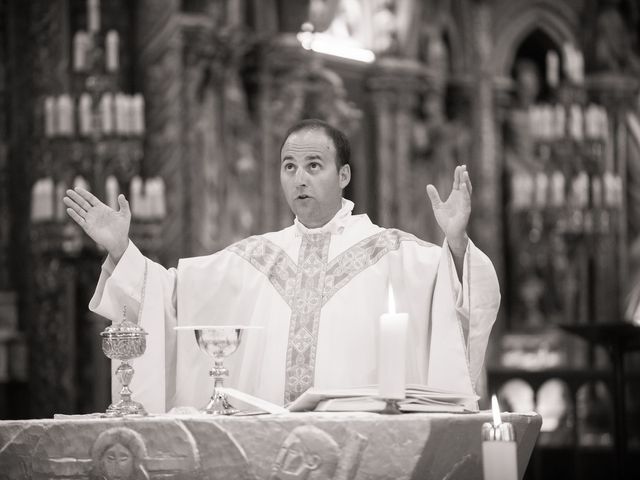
[354, 446]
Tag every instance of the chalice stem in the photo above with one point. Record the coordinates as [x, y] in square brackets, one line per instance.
[219, 405]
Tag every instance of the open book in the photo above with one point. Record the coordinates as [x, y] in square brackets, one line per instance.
[419, 398]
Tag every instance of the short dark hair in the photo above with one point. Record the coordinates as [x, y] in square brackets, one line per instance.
[339, 139]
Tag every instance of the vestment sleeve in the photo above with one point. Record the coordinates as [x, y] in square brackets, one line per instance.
[122, 285]
[477, 300]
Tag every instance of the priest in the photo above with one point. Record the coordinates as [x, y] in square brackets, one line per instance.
[317, 289]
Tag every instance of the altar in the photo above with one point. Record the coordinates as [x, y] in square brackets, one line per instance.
[293, 445]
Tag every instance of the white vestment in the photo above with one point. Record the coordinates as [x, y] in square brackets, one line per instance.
[318, 294]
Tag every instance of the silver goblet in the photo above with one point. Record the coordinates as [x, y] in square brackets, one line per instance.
[124, 341]
[218, 342]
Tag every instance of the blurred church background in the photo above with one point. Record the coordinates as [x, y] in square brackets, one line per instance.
[182, 105]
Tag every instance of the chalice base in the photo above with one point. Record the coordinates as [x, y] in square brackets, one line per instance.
[125, 408]
[219, 405]
[391, 407]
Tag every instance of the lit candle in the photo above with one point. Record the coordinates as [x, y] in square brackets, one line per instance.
[499, 448]
[93, 12]
[113, 51]
[392, 352]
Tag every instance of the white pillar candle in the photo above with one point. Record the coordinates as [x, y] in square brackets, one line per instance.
[85, 114]
[48, 202]
[138, 114]
[541, 189]
[392, 352]
[553, 69]
[576, 127]
[61, 208]
[557, 189]
[106, 113]
[80, 49]
[36, 199]
[65, 115]
[80, 182]
[609, 189]
[534, 121]
[579, 66]
[162, 206]
[50, 116]
[596, 192]
[130, 113]
[499, 448]
[591, 122]
[93, 14]
[112, 190]
[560, 121]
[137, 209]
[118, 108]
[603, 123]
[113, 51]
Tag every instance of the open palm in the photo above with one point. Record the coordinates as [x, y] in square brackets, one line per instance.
[453, 214]
[105, 226]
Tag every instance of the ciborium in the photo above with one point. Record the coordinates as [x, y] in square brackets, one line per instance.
[218, 342]
[124, 341]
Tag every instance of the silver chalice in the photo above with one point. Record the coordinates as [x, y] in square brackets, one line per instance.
[124, 341]
[218, 342]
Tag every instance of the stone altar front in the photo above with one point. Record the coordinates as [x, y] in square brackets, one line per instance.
[286, 446]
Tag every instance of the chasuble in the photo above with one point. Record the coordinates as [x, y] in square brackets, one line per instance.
[318, 295]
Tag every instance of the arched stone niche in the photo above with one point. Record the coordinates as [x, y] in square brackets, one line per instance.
[519, 19]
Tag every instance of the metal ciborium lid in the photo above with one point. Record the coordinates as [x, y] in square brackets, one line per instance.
[124, 341]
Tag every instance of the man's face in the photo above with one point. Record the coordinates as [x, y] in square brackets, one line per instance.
[117, 462]
[310, 179]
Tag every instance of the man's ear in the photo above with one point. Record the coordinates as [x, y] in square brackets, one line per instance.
[345, 175]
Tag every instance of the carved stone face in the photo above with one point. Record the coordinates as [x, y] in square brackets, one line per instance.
[117, 463]
[310, 179]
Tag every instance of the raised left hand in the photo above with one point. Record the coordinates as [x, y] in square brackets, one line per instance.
[453, 215]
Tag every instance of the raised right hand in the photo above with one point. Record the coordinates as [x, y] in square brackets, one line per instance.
[105, 226]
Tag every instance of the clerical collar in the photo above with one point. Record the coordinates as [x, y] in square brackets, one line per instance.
[334, 226]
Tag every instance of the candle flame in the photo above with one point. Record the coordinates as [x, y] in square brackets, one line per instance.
[391, 300]
[495, 409]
